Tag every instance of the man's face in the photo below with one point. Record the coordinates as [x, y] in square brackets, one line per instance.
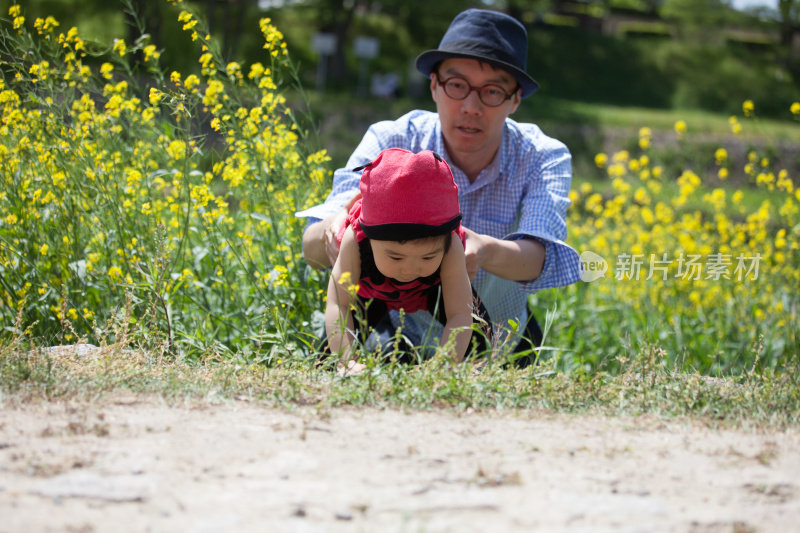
[470, 127]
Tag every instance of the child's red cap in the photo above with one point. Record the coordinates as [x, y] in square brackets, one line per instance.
[408, 196]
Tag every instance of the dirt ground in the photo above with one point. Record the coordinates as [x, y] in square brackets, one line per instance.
[129, 463]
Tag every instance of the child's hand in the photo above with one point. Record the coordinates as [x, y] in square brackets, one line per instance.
[351, 368]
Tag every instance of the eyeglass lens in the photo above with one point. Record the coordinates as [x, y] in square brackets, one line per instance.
[490, 95]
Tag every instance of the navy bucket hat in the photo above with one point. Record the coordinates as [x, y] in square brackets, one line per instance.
[490, 36]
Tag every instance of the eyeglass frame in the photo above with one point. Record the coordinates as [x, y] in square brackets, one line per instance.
[443, 85]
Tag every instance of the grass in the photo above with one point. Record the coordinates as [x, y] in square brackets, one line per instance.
[220, 304]
[646, 387]
[548, 109]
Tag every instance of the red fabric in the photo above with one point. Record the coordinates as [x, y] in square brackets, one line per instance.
[403, 187]
[411, 296]
[400, 187]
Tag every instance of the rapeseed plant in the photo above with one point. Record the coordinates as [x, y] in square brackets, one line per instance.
[98, 160]
[689, 268]
[172, 196]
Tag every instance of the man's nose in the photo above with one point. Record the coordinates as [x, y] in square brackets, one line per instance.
[472, 103]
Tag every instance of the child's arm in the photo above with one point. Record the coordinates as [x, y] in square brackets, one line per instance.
[457, 296]
[338, 320]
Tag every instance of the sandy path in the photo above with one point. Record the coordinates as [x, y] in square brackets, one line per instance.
[138, 465]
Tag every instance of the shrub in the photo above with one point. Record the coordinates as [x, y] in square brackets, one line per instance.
[159, 203]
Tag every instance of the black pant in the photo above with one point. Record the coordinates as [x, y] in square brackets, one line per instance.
[381, 332]
[531, 338]
[376, 331]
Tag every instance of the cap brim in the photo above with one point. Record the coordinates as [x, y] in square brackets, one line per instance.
[427, 60]
[402, 231]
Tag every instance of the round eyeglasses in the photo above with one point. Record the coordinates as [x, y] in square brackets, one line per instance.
[490, 94]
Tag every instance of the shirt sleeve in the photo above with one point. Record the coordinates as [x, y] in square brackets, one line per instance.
[543, 213]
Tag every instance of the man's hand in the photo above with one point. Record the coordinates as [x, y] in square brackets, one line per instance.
[332, 227]
[474, 250]
[518, 260]
[320, 247]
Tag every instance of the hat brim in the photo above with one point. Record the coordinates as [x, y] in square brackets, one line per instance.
[427, 60]
[403, 231]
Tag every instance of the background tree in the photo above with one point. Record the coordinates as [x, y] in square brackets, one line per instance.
[789, 11]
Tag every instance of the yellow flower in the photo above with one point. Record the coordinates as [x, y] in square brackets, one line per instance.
[736, 128]
[795, 108]
[257, 70]
[120, 47]
[645, 134]
[14, 11]
[150, 52]
[600, 160]
[748, 107]
[233, 69]
[155, 96]
[621, 156]
[106, 69]
[188, 22]
[206, 60]
[780, 238]
[191, 81]
[716, 198]
[641, 196]
[40, 71]
[680, 128]
[43, 249]
[45, 25]
[115, 273]
[176, 149]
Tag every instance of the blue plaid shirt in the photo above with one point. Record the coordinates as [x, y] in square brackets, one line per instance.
[523, 193]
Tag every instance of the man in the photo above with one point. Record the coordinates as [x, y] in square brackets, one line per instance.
[513, 180]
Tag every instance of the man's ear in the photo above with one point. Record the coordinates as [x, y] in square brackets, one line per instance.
[516, 100]
[432, 76]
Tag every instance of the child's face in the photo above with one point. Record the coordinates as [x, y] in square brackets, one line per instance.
[409, 260]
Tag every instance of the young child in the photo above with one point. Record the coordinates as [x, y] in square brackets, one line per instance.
[398, 248]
